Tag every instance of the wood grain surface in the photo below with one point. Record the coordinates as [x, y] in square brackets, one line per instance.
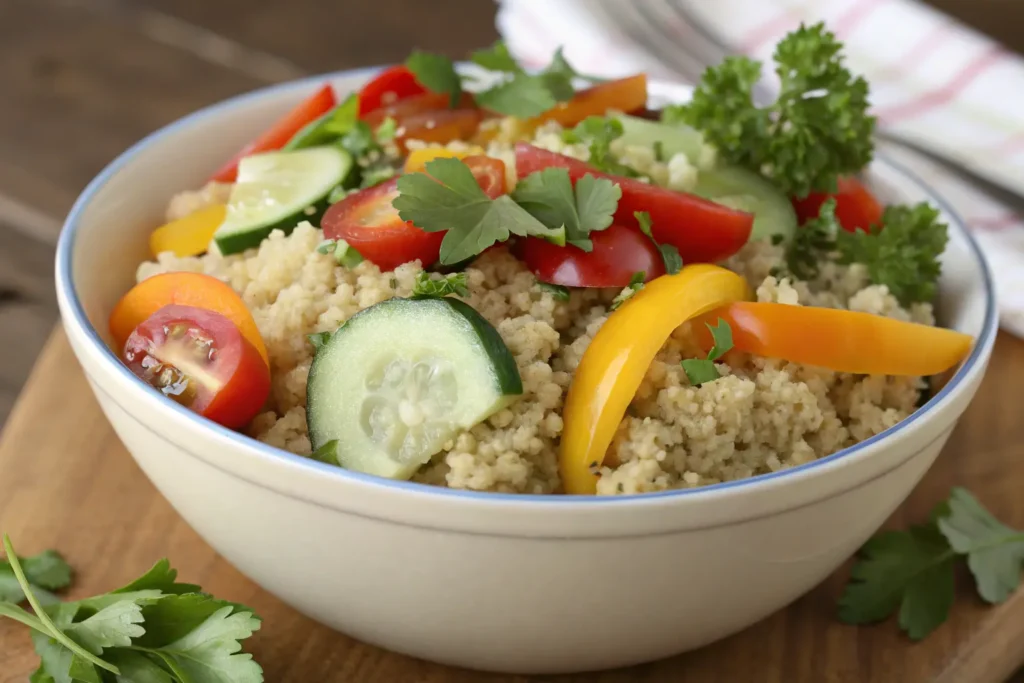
[80, 80]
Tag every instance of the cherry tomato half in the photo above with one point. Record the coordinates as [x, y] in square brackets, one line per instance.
[371, 225]
[856, 207]
[702, 231]
[200, 359]
[391, 85]
[618, 253]
[281, 132]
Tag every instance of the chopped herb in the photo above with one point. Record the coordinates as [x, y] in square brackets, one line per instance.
[659, 151]
[816, 130]
[154, 629]
[327, 453]
[337, 194]
[394, 283]
[598, 132]
[912, 571]
[549, 196]
[345, 254]
[448, 198]
[359, 141]
[428, 286]
[386, 131]
[558, 291]
[669, 254]
[329, 127]
[436, 73]
[636, 283]
[701, 371]
[318, 339]
[814, 241]
[377, 174]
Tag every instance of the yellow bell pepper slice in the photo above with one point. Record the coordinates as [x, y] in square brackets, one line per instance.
[620, 354]
[188, 236]
[418, 158]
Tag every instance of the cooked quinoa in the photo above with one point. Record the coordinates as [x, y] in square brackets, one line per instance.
[762, 416]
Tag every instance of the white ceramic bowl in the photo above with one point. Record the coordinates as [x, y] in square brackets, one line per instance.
[526, 584]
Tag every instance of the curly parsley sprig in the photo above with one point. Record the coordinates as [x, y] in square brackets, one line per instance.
[816, 130]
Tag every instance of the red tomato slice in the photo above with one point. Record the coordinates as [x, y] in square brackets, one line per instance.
[856, 207]
[371, 225]
[201, 360]
[702, 231]
[281, 132]
[619, 252]
[391, 85]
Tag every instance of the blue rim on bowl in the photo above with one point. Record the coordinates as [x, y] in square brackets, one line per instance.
[65, 280]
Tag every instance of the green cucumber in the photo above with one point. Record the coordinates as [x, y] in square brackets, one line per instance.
[277, 191]
[401, 378]
[747, 191]
[674, 139]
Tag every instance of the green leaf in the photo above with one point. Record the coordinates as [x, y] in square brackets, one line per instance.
[437, 73]
[344, 253]
[377, 174]
[161, 577]
[81, 670]
[450, 199]
[524, 97]
[995, 552]
[598, 132]
[669, 254]
[703, 370]
[327, 453]
[813, 242]
[911, 571]
[12, 611]
[113, 626]
[137, 667]
[173, 617]
[211, 652]
[318, 339]
[47, 570]
[386, 131]
[596, 201]
[359, 141]
[548, 195]
[721, 334]
[496, 58]
[55, 659]
[445, 285]
[558, 291]
[636, 283]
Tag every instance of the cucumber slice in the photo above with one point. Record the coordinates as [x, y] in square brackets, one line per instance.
[673, 139]
[278, 190]
[747, 191]
[401, 378]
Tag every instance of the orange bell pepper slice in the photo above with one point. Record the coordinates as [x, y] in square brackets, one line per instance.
[624, 94]
[183, 289]
[618, 358]
[844, 341]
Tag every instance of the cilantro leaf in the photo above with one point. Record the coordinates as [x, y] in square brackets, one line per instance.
[45, 572]
[427, 286]
[328, 127]
[138, 667]
[903, 254]
[549, 196]
[496, 58]
[995, 552]
[598, 132]
[636, 283]
[447, 197]
[703, 370]
[437, 73]
[211, 651]
[911, 571]
[558, 291]
[669, 253]
[524, 96]
[161, 577]
[112, 626]
[817, 129]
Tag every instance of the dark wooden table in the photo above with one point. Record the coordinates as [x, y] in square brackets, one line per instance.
[80, 80]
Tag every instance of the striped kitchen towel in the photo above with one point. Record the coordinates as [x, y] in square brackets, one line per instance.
[935, 84]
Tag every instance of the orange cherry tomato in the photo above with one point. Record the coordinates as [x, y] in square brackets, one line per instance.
[625, 94]
[201, 360]
[185, 289]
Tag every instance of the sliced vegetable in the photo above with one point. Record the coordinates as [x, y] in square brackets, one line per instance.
[701, 230]
[440, 126]
[325, 129]
[277, 191]
[427, 102]
[624, 94]
[201, 360]
[188, 236]
[277, 135]
[840, 340]
[744, 190]
[391, 85]
[182, 289]
[418, 158]
[618, 358]
[618, 253]
[673, 139]
[856, 206]
[401, 378]
[368, 222]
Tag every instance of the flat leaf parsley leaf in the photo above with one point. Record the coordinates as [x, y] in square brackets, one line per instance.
[912, 571]
[549, 196]
[448, 198]
[437, 73]
[428, 286]
[558, 291]
[669, 254]
[636, 283]
[703, 370]
[496, 58]
[598, 132]
[45, 572]
[816, 130]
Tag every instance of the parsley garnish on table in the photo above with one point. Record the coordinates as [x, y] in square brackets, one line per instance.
[154, 630]
[549, 196]
[912, 572]
[815, 131]
[703, 370]
[448, 198]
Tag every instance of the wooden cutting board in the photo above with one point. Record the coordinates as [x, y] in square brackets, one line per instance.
[66, 482]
